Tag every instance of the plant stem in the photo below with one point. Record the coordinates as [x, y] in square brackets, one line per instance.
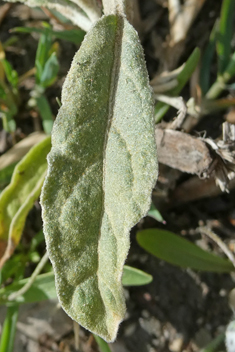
[219, 84]
[9, 329]
[25, 288]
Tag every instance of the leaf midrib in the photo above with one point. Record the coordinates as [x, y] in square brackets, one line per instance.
[112, 100]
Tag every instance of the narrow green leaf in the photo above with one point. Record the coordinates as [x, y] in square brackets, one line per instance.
[135, 277]
[100, 176]
[206, 61]
[9, 329]
[183, 77]
[178, 251]
[42, 55]
[44, 285]
[155, 214]
[75, 36]
[50, 71]
[215, 344]
[221, 81]
[14, 268]
[42, 288]
[11, 74]
[18, 198]
[45, 112]
[224, 36]
[187, 71]
[103, 346]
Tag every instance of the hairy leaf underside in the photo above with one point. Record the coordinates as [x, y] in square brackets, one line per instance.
[102, 168]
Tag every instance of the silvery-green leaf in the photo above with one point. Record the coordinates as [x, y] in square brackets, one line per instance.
[102, 168]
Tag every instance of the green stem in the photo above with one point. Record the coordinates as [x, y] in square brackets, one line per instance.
[9, 329]
[219, 84]
[103, 346]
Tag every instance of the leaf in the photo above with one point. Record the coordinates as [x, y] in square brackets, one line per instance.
[103, 346]
[19, 150]
[100, 174]
[135, 277]
[5, 175]
[225, 34]
[178, 251]
[73, 35]
[207, 60]
[11, 74]
[183, 77]
[219, 85]
[155, 214]
[45, 112]
[215, 344]
[42, 288]
[9, 329]
[43, 53]
[18, 198]
[50, 71]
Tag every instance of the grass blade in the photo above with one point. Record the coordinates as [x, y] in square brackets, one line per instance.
[9, 329]
[182, 78]
[225, 34]
[207, 59]
[75, 36]
[45, 112]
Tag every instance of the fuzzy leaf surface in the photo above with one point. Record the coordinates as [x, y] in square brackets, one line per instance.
[102, 168]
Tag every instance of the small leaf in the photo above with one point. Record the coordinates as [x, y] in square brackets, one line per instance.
[100, 176]
[155, 214]
[42, 288]
[183, 77]
[103, 346]
[18, 198]
[178, 251]
[225, 33]
[45, 112]
[50, 71]
[11, 74]
[206, 61]
[215, 345]
[9, 329]
[43, 53]
[135, 277]
[75, 36]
